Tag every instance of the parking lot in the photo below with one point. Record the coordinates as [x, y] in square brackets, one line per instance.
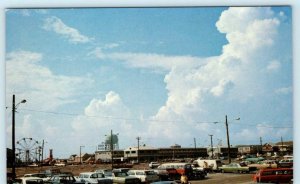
[212, 178]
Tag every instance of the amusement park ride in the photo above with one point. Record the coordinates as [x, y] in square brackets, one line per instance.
[30, 151]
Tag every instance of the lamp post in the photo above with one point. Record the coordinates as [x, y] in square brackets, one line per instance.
[228, 142]
[80, 153]
[14, 108]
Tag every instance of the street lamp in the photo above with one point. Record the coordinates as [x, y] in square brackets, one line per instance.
[80, 153]
[14, 108]
[227, 133]
[228, 142]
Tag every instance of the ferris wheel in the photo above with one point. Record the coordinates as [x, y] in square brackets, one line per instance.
[28, 150]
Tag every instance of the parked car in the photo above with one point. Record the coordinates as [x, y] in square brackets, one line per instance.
[162, 173]
[124, 178]
[279, 175]
[235, 167]
[264, 164]
[107, 172]
[60, 164]
[42, 176]
[31, 180]
[63, 179]
[121, 170]
[254, 159]
[198, 173]
[51, 172]
[208, 164]
[146, 176]
[153, 165]
[175, 170]
[93, 178]
[288, 163]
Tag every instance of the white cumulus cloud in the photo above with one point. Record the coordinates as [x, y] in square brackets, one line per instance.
[27, 78]
[192, 82]
[58, 26]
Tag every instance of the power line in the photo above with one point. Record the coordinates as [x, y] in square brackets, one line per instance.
[151, 120]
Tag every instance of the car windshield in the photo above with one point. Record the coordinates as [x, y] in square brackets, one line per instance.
[34, 182]
[149, 172]
[107, 173]
[121, 174]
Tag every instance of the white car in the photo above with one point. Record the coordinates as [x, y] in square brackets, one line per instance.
[37, 175]
[26, 180]
[93, 178]
[146, 176]
[61, 164]
[153, 165]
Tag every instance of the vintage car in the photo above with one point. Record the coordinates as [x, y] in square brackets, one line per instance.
[254, 159]
[94, 178]
[63, 179]
[288, 163]
[235, 167]
[27, 180]
[153, 165]
[279, 175]
[107, 172]
[175, 170]
[146, 176]
[264, 164]
[208, 164]
[124, 178]
[42, 176]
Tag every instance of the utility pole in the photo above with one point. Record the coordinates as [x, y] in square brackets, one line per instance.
[281, 150]
[195, 147]
[43, 152]
[80, 154]
[112, 149]
[14, 107]
[13, 138]
[228, 143]
[138, 146]
[211, 145]
[261, 145]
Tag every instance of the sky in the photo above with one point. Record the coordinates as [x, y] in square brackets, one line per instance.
[167, 75]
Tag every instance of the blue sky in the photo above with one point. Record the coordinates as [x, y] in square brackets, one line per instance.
[164, 74]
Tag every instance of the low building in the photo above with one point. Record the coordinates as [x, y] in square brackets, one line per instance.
[83, 158]
[104, 156]
[248, 149]
[148, 154]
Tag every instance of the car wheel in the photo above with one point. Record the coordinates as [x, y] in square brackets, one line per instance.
[222, 171]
